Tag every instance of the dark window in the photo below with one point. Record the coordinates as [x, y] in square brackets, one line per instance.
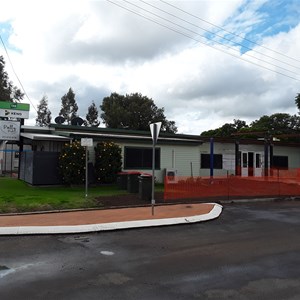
[140, 158]
[205, 161]
[280, 162]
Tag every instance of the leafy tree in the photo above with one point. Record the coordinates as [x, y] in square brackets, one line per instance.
[279, 123]
[43, 113]
[108, 161]
[72, 163]
[92, 116]
[133, 111]
[69, 106]
[8, 92]
[297, 101]
[226, 130]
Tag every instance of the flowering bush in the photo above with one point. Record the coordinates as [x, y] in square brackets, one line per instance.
[72, 163]
[108, 161]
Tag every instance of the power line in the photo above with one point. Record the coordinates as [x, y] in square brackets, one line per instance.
[15, 73]
[197, 40]
[220, 36]
[196, 33]
[229, 32]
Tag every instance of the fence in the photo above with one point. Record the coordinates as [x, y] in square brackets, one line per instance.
[278, 183]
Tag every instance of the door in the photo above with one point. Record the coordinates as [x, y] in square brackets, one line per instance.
[244, 164]
[258, 164]
[252, 163]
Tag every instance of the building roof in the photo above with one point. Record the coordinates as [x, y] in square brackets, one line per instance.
[123, 135]
[44, 137]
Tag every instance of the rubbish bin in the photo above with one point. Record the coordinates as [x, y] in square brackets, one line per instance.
[133, 182]
[122, 180]
[145, 187]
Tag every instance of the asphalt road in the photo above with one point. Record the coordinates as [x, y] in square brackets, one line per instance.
[251, 252]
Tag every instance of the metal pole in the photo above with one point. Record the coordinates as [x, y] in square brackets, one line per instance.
[211, 157]
[153, 166]
[86, 172]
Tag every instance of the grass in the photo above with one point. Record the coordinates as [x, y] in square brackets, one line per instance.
[18, 196]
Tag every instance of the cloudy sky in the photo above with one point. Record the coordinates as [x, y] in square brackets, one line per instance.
[207, 62]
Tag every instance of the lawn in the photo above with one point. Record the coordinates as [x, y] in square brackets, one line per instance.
[18, 196]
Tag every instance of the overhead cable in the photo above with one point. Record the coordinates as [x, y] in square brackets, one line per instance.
[220, 36]
[205, 43]
[229, 32]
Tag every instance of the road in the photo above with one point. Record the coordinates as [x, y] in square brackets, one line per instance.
[252, 251]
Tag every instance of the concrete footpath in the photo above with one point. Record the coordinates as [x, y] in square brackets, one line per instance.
[107, 219]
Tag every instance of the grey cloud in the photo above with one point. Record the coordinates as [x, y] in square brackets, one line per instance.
[130, 38]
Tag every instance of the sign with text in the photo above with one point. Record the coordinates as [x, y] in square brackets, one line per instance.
[14, 110]
[12, 113]
[87, 142]
[9, 130]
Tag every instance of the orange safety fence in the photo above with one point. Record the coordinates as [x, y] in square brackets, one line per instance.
[278, 183]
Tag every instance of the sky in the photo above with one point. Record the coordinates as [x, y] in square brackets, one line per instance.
[207, 62]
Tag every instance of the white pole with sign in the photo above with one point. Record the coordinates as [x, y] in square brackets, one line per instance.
[154, 128]
[86, 143]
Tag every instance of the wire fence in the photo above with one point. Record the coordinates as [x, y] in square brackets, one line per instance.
[277, 183]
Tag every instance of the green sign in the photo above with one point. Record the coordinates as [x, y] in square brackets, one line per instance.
[14, 106]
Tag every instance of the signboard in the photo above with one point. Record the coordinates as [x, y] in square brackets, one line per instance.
[14, 110]
[9, 130]
[87, 142]
[12, 113]
[155, 129]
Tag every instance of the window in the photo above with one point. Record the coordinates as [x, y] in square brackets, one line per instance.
[245, 160]
[257, 160]
[205, 161]
[280, 162]
[140, 158]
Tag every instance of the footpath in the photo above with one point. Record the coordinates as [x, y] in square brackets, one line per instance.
[107, 219]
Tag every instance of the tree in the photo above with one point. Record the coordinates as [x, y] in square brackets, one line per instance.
[297, 101]
[43, 114]
[133, 111]
[279, 123]
[72, 163]
[108, 161]
[8, 92]
[226, 130]
[92, 116]
[69, 106]
[276, 124]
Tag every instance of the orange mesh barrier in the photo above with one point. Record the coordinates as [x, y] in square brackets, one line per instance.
[278, 183]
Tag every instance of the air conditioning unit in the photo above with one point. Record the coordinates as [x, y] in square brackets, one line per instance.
[171, 176]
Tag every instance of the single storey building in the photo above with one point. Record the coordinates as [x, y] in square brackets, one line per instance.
[176, 154]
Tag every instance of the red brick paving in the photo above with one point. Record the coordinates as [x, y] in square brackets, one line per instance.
[105, 215]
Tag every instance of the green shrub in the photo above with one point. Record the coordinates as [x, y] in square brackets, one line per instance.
[108, 161]
[72, 163]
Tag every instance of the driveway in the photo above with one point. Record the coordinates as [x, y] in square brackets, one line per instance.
[252, 251]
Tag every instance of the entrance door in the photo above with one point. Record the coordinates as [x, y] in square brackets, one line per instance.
[252, 163]
[258, 164]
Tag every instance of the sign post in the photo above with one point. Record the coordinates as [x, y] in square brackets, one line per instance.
[154, 128]
[11, 131]
[86, 143]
